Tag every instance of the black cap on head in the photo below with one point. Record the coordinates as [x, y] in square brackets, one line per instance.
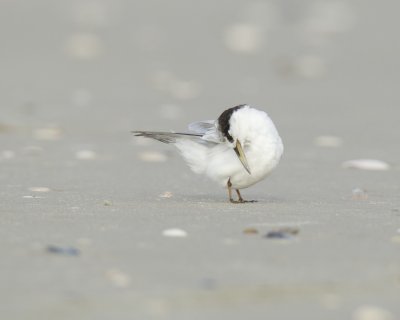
[223, 121]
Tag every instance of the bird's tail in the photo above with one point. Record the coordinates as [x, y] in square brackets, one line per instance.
[167, 137]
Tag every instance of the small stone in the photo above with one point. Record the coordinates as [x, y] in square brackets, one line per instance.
[283, 233]
[277, 235]
[250, 231]
[39, 189]
[66, 251]
[366, 164]
[107, 203]
[174, 232]
[166, 194]
[359, 194]
[32, 197]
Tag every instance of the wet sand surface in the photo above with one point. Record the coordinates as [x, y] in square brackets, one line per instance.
[95, 224]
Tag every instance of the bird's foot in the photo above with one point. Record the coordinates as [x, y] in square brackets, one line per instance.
[240, 199]
[250, 201]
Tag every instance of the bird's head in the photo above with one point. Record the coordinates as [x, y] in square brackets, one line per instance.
[230, 130]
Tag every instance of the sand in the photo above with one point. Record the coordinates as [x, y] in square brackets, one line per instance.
[95, 224]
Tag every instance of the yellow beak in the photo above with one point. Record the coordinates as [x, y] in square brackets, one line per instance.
[242, 157]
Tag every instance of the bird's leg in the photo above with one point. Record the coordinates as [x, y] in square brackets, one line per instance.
[239, 196]
[240, 199]
[229, 185]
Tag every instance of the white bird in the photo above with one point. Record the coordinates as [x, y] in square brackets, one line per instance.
[237, 150]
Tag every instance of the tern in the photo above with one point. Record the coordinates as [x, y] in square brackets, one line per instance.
[237, 150]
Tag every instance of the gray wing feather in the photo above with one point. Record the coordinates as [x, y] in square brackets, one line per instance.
[203, 132]
[168, 137]
[208, 129]
[201, 126]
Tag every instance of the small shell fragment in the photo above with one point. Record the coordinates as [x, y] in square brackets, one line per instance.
[31, 197]
[107, 203]
[359, 194]
[366, 164]
[39, 189]
[174, 232]
[166, 195]
[250, 231]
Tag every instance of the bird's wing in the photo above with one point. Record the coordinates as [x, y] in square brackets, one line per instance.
[208, 130]
[169, 137]
[201, 126]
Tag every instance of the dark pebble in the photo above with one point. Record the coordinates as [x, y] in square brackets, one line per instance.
[278, 235]
[66, 251]
[285, 233]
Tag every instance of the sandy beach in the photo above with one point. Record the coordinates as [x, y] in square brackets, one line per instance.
[97, 224]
